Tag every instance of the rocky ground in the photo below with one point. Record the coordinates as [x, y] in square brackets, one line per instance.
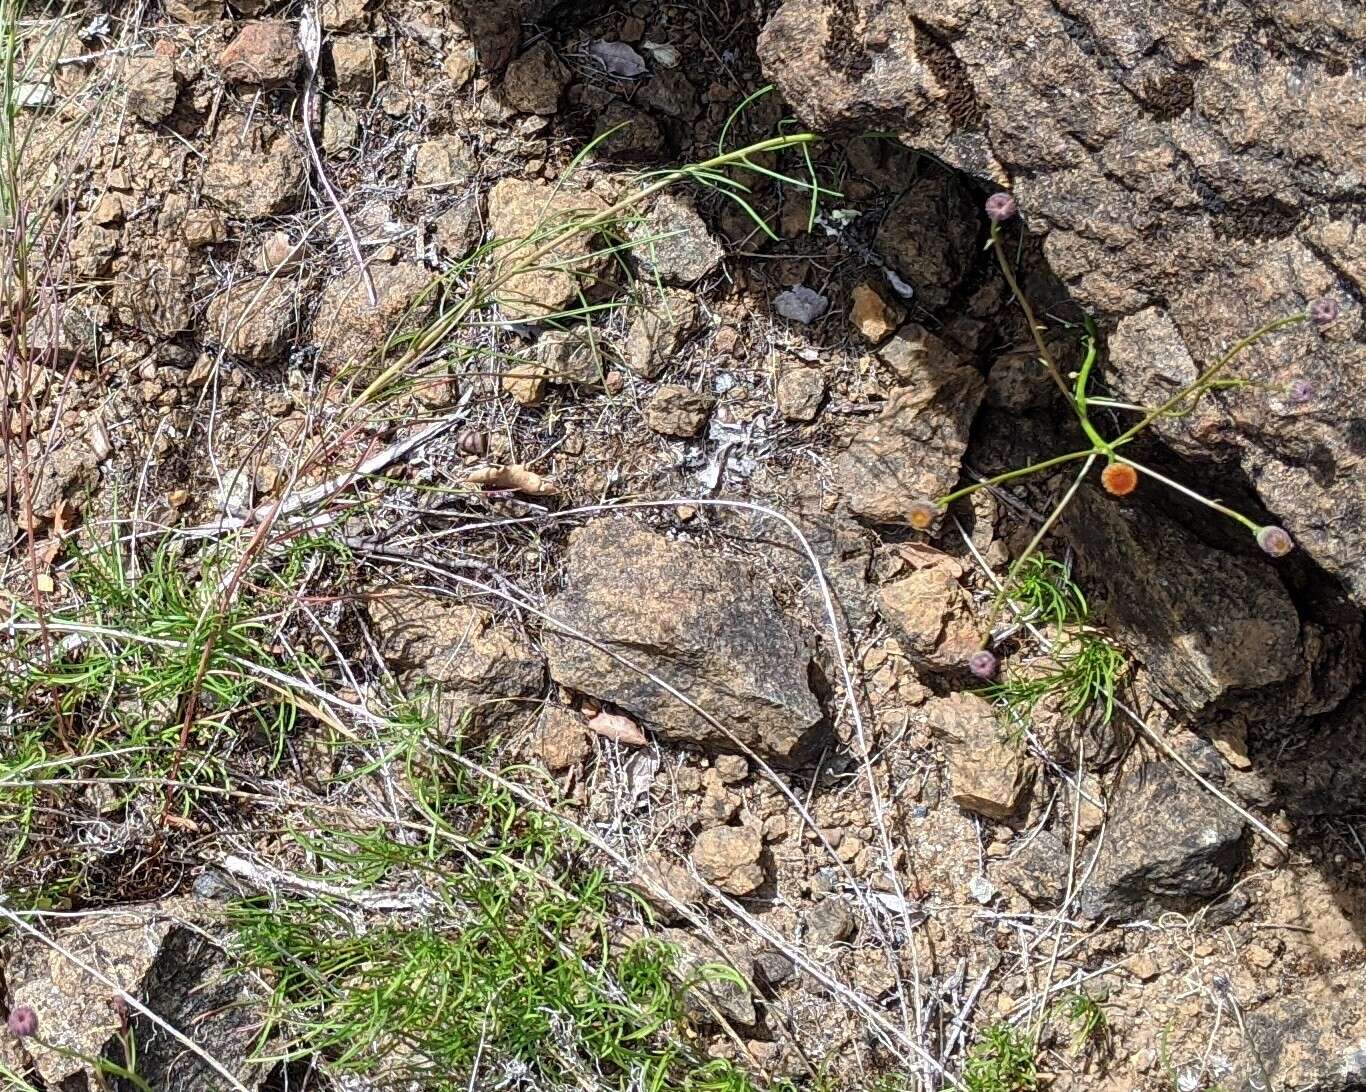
[304, 380]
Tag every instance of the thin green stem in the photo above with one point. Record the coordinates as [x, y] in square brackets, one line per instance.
[1079, 398]
[1032, 468]
[1034, 328]
[999, 601]
[1185, 491]
[1210, 374]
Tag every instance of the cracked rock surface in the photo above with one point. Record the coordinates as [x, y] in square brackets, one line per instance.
[1195, 172]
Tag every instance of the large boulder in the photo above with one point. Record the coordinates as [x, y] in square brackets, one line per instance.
[702, 622]
[1195, 168]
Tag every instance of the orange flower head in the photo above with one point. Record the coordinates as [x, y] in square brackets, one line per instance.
[922, 515]
[1119, 479]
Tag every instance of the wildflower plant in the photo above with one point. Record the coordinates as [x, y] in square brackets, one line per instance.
[1121, 473]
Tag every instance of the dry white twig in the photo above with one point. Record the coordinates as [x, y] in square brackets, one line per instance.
[267, 879]
[310, 39]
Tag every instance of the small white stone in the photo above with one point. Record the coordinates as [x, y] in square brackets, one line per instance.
[618, 59]
[981, 889]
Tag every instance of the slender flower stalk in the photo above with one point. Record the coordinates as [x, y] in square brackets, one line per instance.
[1010, 475]
[1207, 378]
[1008, 271]
[1186, 491]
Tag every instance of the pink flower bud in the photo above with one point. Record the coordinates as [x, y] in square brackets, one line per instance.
[983, 664]
[1322, 311]
[1001, 207]
[22, 1022]
[1275, 541]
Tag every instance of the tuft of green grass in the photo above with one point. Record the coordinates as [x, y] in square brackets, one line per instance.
[1002, 1060]
[1087, 669]
[1090, 1025]
[132, 645]
[1044, 589]
[518, 980]
[1086, 666]
[133, 679]
[511, 967]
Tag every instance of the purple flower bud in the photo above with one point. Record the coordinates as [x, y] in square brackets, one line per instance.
[983, 664]
[1001, 207]
[1322, 311]
[1301, 391]
[22, 1022]
[1275, 541]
